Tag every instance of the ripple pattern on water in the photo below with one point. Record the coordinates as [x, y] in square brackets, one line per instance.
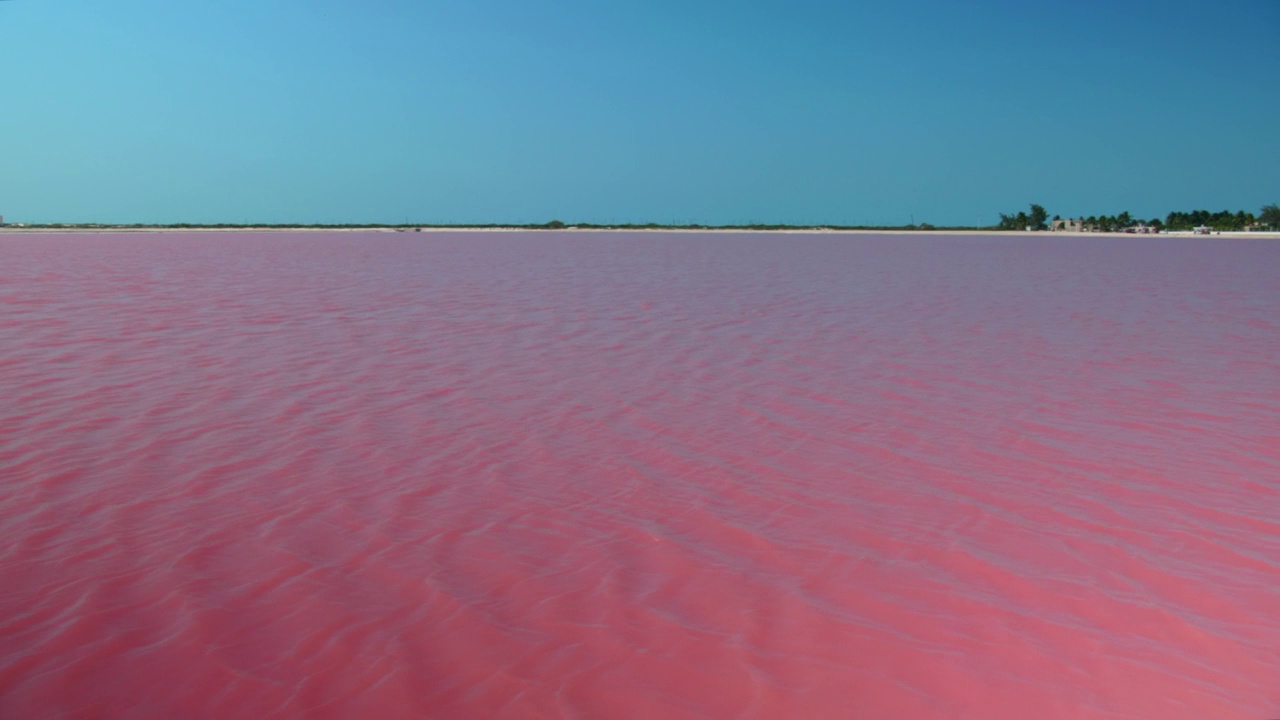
[525, 475]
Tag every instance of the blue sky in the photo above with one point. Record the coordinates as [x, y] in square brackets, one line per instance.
[802, 111]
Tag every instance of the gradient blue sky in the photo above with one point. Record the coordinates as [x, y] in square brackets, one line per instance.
[796, 111]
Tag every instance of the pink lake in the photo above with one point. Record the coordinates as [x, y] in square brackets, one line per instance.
[647, 475]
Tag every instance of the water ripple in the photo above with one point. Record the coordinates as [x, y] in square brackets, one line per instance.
[580, 475]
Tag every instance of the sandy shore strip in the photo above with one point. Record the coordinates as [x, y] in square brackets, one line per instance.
[11, 230]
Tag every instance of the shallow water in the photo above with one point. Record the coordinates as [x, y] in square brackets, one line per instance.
[513, 475]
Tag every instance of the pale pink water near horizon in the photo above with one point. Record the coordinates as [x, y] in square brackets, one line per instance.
[559, 475]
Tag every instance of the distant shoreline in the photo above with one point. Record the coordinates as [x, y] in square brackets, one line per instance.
[778, 230]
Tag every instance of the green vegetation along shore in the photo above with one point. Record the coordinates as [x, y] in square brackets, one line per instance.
[1267, 220]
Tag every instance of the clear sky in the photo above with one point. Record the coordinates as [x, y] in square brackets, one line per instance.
[776, 111]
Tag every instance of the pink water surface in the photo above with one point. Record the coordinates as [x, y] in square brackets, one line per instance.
[581, 475]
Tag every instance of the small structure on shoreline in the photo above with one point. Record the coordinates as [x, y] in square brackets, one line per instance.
[1068, 225]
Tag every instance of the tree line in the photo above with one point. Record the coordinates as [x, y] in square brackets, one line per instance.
[1224, 220]
[1037, 219]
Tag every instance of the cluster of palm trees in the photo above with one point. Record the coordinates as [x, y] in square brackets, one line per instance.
[1224, 220]
[1269, 217]
[1117, 223]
